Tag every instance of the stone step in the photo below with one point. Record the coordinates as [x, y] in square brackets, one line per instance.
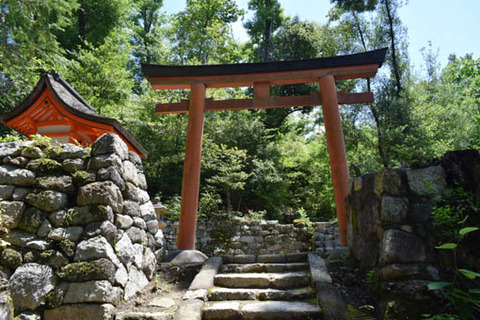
[221, 294]
[266, 258]
[265, 310]
[132, 315]
[264, 267]
[288, 280]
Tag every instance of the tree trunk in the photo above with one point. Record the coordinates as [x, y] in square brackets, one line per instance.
[395, 66]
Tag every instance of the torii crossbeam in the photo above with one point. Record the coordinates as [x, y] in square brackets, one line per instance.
[261, 76]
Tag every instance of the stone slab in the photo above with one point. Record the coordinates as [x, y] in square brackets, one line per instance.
[318, 269]
[245, 258]
[296, 257]
[80, 312]
[271, 258]
[142, 316]
[189, 309]
[331, 302]
[204, 279]
[289, 280]
[280, 310]
[221, 310]
[243, 280]
[264, 267]
[187, 256]
[221, 294]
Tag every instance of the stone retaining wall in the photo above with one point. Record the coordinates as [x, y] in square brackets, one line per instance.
[258, 237]
[82, 231]
[390, 227]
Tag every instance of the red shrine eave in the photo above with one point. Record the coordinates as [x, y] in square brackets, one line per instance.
[56, 110]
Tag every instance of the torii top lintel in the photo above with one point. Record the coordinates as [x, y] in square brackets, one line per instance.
[360, 65]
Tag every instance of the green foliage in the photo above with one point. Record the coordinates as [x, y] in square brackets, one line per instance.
[267, 19]
[11, 138]
[255, 215]
[373, 279]
[303, 219]
[462, 303]
[226, 168]
[451, 213]
[201, 32]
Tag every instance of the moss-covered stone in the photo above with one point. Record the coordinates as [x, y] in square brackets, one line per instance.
[44, 166]
[68, 247]
[82, 177]
[31, 220]
[11, 258]
[47, 200]
[53, 152]
[53, 258]
[82, 216]
[60, 183]
[6, 306]
[102, 269]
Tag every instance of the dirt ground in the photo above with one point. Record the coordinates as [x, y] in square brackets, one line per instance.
[352, 284]
[169, 282]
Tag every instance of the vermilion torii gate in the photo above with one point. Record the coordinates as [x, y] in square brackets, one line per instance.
[261, 76]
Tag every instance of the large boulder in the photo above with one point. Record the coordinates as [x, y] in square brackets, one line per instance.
[81, 312]
[30, 285]
[61, 183]
[111, 174]
[136, 282]
[47, 200]
[27, 240]
[85, 215]
[71, 151]
[130, 173]
[125, 250]
[32, 219]
[11, 212]
[428, 181]
[95, 248]
[44, 166]
[110, 143]
[6, 192]
[15, 176]
[401, 247]
[104, 161]
[105, 192]
[6, 306]
[101, 269]
[93, 291]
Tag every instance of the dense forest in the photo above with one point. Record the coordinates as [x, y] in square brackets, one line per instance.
[262, 163]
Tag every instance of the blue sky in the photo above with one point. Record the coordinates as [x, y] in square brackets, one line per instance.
[451, 26]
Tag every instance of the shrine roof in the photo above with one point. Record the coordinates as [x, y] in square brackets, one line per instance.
[72, 102]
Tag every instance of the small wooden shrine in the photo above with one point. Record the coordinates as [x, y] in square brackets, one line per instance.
[54, 109]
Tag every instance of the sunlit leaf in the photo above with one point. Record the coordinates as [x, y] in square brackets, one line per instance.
[469, 274]
[438, 285]
[466, 230]
[447, 246]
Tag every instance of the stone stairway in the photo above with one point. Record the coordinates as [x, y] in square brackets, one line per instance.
[262, 287]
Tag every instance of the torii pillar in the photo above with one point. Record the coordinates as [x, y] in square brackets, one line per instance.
[336, 150]
[261, 76]
[187, 227]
